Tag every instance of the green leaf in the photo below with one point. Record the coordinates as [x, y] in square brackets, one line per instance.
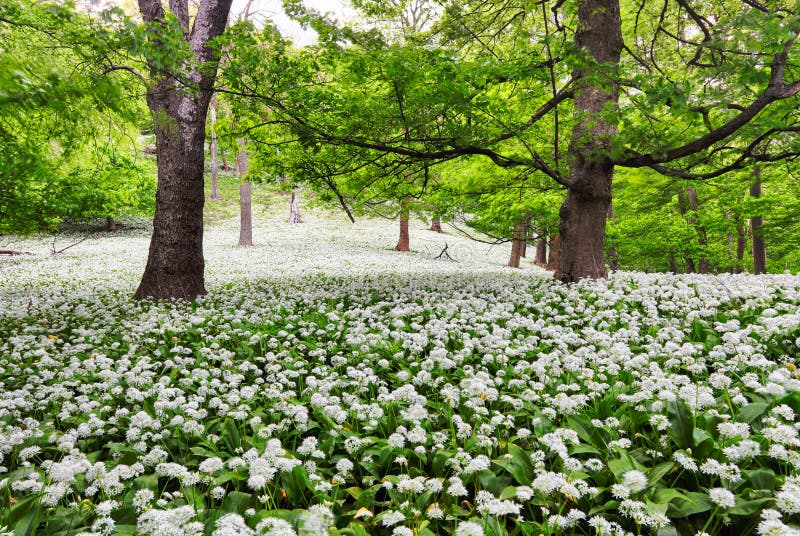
[231, 435]
[682, 424]
[693, 503]
[746, 508]
[519, 466]
[235, 502]
[751, 412]
[508, 493]
[762, 478]
[658, 472]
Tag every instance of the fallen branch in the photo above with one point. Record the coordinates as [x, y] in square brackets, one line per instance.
[444, 254]
[62, 250]
[14, 252]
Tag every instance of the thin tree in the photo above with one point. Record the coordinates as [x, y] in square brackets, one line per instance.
[245, 198]
[756, 222]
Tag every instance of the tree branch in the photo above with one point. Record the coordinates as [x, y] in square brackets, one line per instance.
[776, 90]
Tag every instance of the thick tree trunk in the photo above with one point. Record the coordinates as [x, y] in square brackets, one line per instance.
[582, 225]
[175, 263]
[555, 253]
[759, 244]
[436, 224]
[294, 210]
[517, 243]
[403, 243]
[245, 200]
[541, 251]
[214, 156]
[111, 225]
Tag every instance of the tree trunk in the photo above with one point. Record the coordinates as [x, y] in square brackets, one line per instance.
[294, 210]
[682, 208]
[541, 251]
[214, 158]
[759, 245]
[741, 246]
[245, 200]
[702, 239]
[111, 225]
[175, 263]
[517, 241]
[436, 224]
[672, 263]
[555, 253]
[403, 241]
[583, 215]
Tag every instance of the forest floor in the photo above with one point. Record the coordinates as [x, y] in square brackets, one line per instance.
[330, 385]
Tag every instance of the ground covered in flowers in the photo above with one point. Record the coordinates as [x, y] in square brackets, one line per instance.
[327, 385]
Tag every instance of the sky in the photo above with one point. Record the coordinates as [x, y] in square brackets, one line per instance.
[271, 9]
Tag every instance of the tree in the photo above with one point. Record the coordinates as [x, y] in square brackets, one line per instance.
[756, 224]
[178, 96]
[245, 199]
[679, 89]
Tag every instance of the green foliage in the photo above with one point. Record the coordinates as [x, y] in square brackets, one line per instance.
[66, 130]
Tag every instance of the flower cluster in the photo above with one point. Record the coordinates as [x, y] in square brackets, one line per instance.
[391, 396]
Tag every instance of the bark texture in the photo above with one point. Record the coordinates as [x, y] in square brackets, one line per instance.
[541, 251]
[759, 245]
[555, 250]
[517, 243]
[245, 199]
[582, 225]
[294, 210]
[403, 243]
[175, 262]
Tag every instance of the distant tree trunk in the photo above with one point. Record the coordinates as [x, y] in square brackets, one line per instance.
[582, 224]
[759, 244]
[111, 225]
[683, 209]
[741, 246]
[175, 263]
[214, 159]
[436, 224]
[673, 263]
[403, 242]
[541, 250]
[613, 256]
[702, 239]
[294, 210]
[555, 253]
[245, 200]
[517, 242]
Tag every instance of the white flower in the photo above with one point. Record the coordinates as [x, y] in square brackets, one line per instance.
[634, 480]
[232, 525]
[469, 528]
[722, 497]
